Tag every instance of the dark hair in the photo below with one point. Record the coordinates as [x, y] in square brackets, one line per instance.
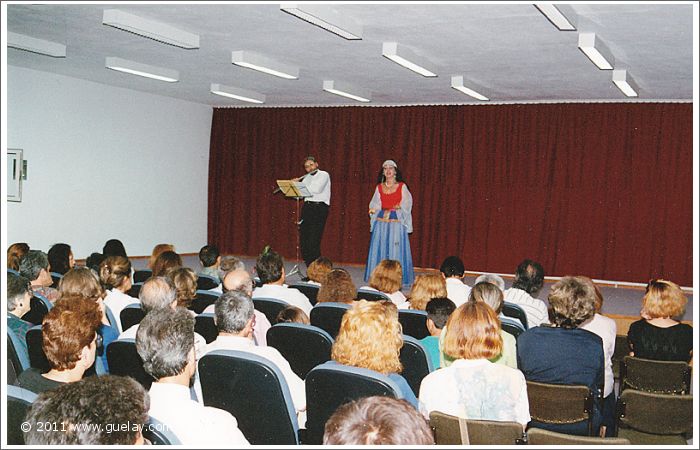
[452, 266]
[208, 255]
[59, 258]
[15, 253]
[439, 310]
[94, 260]
[337, 286]
[164, 341]
[269, 266]
[114, 247]
[88, 409]
[17, 287]
[292, 314]
[529, 276]
[165, 261]
[399, 177]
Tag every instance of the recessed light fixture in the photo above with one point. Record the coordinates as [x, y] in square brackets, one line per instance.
[237, 93]
[346, 90]
[34, 45]
[406, 58]
[625, 83]
[261, 63]
[458, 83]
[596, 50]
[326, 17]
[150, 28]
[561, 15]
[143, 70]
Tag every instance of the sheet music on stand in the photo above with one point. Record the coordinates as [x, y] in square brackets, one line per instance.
[293, 189]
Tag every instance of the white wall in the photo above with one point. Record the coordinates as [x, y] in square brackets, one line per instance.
[106, 162]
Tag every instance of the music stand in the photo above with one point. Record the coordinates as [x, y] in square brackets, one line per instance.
[296, 190]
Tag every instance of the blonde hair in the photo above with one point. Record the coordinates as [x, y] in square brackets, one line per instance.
[185, 281]
[319, 269]
[337, 286]
[488, 293]
[386, 277]
[80, 282]
[157, 250]
[370, 337]
[473, 332]
[663, 299]
[425, 288]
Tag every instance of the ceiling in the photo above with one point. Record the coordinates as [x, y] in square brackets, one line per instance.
[508, 52]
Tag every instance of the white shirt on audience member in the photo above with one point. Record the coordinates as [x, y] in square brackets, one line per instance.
[259, 329]
[286, 294]
[194, 424]
[606, 328]
[535, 309]
[116, 300]
[457, 291]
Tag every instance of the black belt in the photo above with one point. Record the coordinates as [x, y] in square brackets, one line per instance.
[315, 203]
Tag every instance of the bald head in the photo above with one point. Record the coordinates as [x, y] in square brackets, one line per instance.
[238, 280]
[157, 293]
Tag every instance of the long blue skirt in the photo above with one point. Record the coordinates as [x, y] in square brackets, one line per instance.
[390, 241]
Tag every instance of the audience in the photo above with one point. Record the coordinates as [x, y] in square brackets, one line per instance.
[439, 310]
[34, 266]
[115, 276]
[564, 353]
[318, 269]
[165, 261]
[185, 281]
[529, 279]
[386, 277]
[425, 287]
[337, 286]
[210, 258]
[377, 420]
[452, 269]
[473, 387]
[370, 338]
[270, 269]
[15, 253]
[85, 413]
[93, 262]
[229, 263]
[492, 278]
[60, 258]
[165, 342]
[114, 247]
[157, 250]
[292, 314]
[19, 296]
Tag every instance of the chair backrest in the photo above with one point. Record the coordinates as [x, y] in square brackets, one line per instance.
[515, 311]
[254, 391]
[205, 282]
[304, 346]
[415, 361]
[308, 289]
[19, 400]
[452, 430]
[159, 433]
[131, 315]
[124, 360]
[257, 282]
[142, 275]
[12, 271]
[658, 414]
[331, 385]
[621, 350]
[37, 357]
[328, 316]
[414, 323]
[203, 299]
[270, 307]
[39, 307]
[135, 289]
[560, 404]
[512, 326]
[17, 356]
[536, 436]
[661, 377]
[371, 296]
[205, 326]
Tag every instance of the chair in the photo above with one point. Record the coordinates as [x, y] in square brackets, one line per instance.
[647, 418]
[331, 385]
[124, 360]
[19, 400]
[56, 277]
[39, 307]
[414, 323]
[202, 300]
[37, 357]
[205, 282]
[308, 289]
[142, 275]
[515, 311]
[131, 315]
[159, 433]
[621, 350]
[554, 404]
[254, 391]
[372, 296]
[205, 326]
[512, 326]
[270, 307]
[452, 430]
[257, 282]
[660, 377]
[135, 289]
[17, 357]
[415, 361]
[304, 346]
[536, 436]
[12, 271]
[328, 316]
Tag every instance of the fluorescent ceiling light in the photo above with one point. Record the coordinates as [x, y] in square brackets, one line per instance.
[149, 28]
[325, 17]
[144, 70]
[458, 83]
[237, 93]
[346, 90]
[264, 64]
[625, 82]
[34, 45]
[555, 14]
[596, 50]
[406, 58]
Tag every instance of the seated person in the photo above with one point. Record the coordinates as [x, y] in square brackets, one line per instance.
[337, 287]
[164, 262]
[114, 247]
[115, 276]
[60, 258]
[386, 277]
[157, 250]
[185, 281]
[529, 279]
[452, 269]
[15, 253]
[165, 342]
[19, 295]
[377, 420]
[425, 287]
[34, 266]
[292, 314]
[228, 264]
[318, 270]
[86, 413]
[439, 310]
[69, 340]
[270, 269]
[210, 258]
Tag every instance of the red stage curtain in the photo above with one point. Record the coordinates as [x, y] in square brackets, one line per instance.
[603, 190]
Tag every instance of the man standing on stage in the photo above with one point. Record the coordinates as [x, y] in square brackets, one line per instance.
[315, 210]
